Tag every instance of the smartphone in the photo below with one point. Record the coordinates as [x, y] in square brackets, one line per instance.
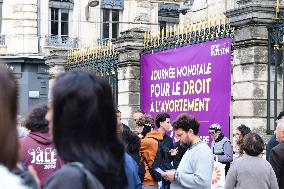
[159, 170]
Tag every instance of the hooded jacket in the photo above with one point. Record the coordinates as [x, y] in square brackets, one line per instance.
[8, 180]
[148, 149]
[37, 150]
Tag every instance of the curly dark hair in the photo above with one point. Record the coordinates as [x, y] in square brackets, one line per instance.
[253, 144]
[146, 120]
[131, 141]
[36, 121]
[186, 122]
[160, 118]
[244, 130]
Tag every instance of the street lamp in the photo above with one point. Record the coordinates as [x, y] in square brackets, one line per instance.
[93, 3]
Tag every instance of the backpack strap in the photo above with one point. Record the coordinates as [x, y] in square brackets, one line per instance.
[155, 175]
[89, 179]
[155, 139]
[149, 168]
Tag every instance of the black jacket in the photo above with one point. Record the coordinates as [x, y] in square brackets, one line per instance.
[270, 144]
[178, 157]
[166, 158]
[125, 127]
[276, 160]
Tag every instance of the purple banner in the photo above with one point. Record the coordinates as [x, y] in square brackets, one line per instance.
[195, 79]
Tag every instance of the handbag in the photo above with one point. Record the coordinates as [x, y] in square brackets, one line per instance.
[218, 175]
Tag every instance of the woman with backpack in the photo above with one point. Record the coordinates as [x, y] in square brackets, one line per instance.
[82, 119]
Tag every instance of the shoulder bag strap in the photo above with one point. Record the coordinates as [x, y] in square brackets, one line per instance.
[88, 175]
[149, 168]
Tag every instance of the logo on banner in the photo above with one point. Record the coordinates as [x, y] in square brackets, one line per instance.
[217, 50]
[46, 157]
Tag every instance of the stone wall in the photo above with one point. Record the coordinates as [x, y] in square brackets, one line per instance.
[130, 45]
[55, 59]
[250, 57]
[19, 25]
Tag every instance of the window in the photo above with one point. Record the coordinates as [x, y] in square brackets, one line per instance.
[168, 15]
[59, 22]
[110, 23]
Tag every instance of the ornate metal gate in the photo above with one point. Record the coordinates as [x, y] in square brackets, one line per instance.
[191, 33]
[275, 63]
[101, 60]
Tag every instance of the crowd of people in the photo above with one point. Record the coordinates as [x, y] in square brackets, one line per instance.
[77, 141]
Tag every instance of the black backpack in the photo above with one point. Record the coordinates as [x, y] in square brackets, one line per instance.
[156, 164]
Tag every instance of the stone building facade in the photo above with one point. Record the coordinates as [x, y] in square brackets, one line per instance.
[46, 29]
[249, 61]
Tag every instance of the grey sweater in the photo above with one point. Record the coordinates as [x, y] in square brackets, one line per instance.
[195, 169]
[251, 172]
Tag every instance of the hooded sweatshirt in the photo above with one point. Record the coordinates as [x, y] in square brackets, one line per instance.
[148, 149]
[37, 150]
[10, 181]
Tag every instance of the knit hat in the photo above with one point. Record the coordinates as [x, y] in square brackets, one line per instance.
[215, 126]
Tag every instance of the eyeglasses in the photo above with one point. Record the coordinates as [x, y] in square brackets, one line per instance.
[211, 132]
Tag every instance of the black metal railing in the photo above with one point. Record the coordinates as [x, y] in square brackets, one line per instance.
[101, 60]
[275, 61]
[192, 33]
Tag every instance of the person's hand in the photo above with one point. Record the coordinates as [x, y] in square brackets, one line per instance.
[174, 152]
[169, 175]
[34, 174]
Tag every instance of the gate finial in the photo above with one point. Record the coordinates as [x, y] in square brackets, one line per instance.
[215, 21]
[277, 9]
[194, 31]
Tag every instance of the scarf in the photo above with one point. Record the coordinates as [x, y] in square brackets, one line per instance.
[220, 137]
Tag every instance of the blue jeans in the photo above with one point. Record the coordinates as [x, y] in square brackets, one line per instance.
[149, 187]
[165, 184]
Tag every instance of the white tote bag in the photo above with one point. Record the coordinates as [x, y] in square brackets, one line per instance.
[218, 175]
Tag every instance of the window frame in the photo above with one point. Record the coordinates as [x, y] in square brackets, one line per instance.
[60, 11]
[168, 15]
[110, 22]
